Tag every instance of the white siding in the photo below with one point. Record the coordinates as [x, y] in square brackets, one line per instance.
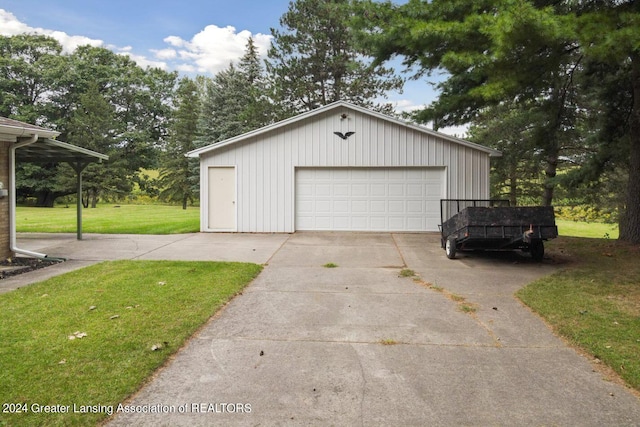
[266, 162]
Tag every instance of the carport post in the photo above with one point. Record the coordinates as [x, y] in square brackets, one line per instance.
[79, 204]
[79, 167]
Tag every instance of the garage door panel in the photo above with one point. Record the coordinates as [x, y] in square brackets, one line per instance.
[323, 190]
[432, 188]
[340, 190]
[397, 222]
[323, 206]
[341, 174]
[415, 206]
[360, 190]
[341, 206]
[414, 222]
[336, 223]
[305, 206]
[397, 174]
[417, 174]
[378, 206]
[323, 222]
[359, 223]
[415, 189]
[378, 223]
[373, 199]
[378, 190]
[396, 190]
[359, 206]
[396, 206]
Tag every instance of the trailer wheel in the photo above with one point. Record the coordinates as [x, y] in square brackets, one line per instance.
[450, 247]
[536, 247]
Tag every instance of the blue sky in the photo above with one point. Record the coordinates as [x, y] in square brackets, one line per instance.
[194, 37]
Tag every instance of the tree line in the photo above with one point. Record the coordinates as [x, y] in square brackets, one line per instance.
[554, 85]
[149, 118]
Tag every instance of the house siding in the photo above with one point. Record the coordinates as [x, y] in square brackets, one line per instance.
[266, 162]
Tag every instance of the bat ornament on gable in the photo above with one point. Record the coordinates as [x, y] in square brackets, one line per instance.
[345, 135]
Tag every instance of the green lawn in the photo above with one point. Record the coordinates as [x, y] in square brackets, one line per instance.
[135, 314]
[110, 219]
[162, 219]
[594, 300]
[596, 230]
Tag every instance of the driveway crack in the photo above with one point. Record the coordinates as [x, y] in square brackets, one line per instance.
[364, 385]
[278, 250]
[395, 243]
[135, 241]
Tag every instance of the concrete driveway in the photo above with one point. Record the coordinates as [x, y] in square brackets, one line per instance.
[360, 345]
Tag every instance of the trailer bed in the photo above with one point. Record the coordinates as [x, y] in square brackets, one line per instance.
[492, 225]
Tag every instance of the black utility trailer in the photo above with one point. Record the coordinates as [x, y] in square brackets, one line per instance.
[494, 225]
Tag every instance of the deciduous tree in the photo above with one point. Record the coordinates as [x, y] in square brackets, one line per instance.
[92, 126]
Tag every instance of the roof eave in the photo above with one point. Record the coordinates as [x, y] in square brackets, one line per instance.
[17, 131]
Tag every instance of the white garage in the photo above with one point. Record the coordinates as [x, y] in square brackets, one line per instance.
[340, 167]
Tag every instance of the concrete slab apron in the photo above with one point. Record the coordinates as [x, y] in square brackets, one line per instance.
[257, 248]
[359, 345]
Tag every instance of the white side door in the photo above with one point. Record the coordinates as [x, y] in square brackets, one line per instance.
[222, 199]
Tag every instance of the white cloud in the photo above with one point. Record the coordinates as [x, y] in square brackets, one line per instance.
[457, 131]
[406, 106]
[143, 61]
[175, 41]
[165, 53]
[212, 49]
[209, 51]
[11, 26]
[186, 68]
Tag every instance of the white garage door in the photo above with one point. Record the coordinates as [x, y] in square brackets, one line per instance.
[369, 199]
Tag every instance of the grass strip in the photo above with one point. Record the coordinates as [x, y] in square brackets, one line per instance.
[594, 301]
[596, 230]
[110, 219]
[126, 317]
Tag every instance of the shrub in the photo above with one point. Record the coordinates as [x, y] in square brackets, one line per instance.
[586, 213]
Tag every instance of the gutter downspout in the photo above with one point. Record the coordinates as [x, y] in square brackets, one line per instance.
[12, 199]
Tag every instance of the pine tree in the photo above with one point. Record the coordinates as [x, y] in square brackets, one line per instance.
[259, 110]
[179, 174]
[235, 101]
[314, 60]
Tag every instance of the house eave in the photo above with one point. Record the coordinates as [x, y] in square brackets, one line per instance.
[13, 130]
